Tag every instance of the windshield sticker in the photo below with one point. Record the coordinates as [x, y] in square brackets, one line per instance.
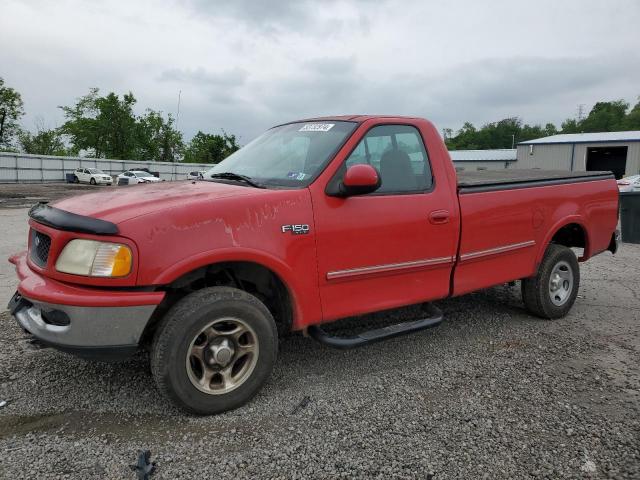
[317, 127]
[296, 175]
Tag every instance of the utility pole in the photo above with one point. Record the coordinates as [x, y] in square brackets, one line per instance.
[173, 157]
[2, 119]
[513, 140]
[178, 112]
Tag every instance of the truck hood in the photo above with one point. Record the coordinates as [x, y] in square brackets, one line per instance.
[124, 203]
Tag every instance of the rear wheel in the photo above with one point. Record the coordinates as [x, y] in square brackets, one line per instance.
[76, 179]
[214, 350]
[553, 290]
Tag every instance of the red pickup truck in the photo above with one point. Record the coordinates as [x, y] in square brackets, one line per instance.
[314, 221]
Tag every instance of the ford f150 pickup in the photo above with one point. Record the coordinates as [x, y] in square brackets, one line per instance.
[314, 221]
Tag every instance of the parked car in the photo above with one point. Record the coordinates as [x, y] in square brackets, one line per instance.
[92, 176]
[131, 177]
[199, 175]
[315, 221]
[629, 184]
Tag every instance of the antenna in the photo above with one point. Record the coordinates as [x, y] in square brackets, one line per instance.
[581, 111]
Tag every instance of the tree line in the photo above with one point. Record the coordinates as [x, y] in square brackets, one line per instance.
[106, 126]
[611, 116]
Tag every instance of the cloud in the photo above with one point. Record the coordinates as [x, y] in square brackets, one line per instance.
[199, 76]
[299, 16]
[245, 66]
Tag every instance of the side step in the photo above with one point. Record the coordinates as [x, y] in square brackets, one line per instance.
[365, 338]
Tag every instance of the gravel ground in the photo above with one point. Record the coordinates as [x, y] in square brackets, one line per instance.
[492, 393]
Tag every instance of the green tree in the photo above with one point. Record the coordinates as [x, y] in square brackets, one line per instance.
[102, 126]
[605, 117]
[210, 148]
[632, 119]
[570, 125]
[44, 142]
[11, 109]
[501, 134]
[157, 138]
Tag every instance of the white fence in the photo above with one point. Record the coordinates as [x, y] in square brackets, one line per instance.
[19, 167]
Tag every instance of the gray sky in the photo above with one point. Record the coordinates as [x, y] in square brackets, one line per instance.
[244, 66]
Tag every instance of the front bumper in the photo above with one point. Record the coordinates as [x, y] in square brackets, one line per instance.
[85, 321]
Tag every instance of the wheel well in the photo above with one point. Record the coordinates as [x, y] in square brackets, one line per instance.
[571, 235]
[251, 277]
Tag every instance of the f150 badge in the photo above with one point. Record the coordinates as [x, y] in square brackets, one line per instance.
[296, 229]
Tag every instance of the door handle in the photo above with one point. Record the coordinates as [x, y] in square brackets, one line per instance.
[438, 217]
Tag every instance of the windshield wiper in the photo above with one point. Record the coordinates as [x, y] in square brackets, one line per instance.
[237, 176]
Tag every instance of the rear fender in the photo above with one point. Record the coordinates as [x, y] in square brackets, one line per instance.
[578, 220]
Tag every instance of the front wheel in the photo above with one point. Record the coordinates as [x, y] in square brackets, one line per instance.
[553, 290]
[92, 181]
[214, 350]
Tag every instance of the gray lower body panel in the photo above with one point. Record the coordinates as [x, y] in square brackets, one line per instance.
[88, 327]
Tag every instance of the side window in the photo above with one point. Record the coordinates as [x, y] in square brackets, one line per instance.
[398, 153]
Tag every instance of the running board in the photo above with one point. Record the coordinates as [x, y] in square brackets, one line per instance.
[370, 336]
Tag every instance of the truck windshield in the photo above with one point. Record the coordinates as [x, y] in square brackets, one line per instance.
[291, 155]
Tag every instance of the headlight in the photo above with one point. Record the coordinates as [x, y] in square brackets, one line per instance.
[95, 259]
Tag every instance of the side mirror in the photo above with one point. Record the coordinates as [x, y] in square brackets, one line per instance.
[359, 180]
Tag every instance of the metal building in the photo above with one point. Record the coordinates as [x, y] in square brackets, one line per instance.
[618, 152]
[472, 160]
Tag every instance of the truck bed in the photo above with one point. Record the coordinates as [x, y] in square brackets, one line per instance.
[491, 180]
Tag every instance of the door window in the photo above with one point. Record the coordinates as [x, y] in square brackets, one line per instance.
[398, 153]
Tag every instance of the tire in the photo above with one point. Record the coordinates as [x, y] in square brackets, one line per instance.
[548, 297]
[183, 331]
[92, 181]
[76, 179]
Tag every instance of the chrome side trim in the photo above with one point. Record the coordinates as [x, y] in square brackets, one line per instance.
[497, 250]
[390, 267]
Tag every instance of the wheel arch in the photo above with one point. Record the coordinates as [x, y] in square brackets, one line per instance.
[570, 232]
[265, 277]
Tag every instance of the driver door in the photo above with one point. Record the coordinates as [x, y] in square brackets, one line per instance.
[392, 247]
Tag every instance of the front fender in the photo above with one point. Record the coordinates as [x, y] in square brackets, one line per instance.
[305, 304]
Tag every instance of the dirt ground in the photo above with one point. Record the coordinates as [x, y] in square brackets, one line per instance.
[21, 195]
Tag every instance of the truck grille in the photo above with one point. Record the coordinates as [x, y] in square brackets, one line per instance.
[40, 245]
